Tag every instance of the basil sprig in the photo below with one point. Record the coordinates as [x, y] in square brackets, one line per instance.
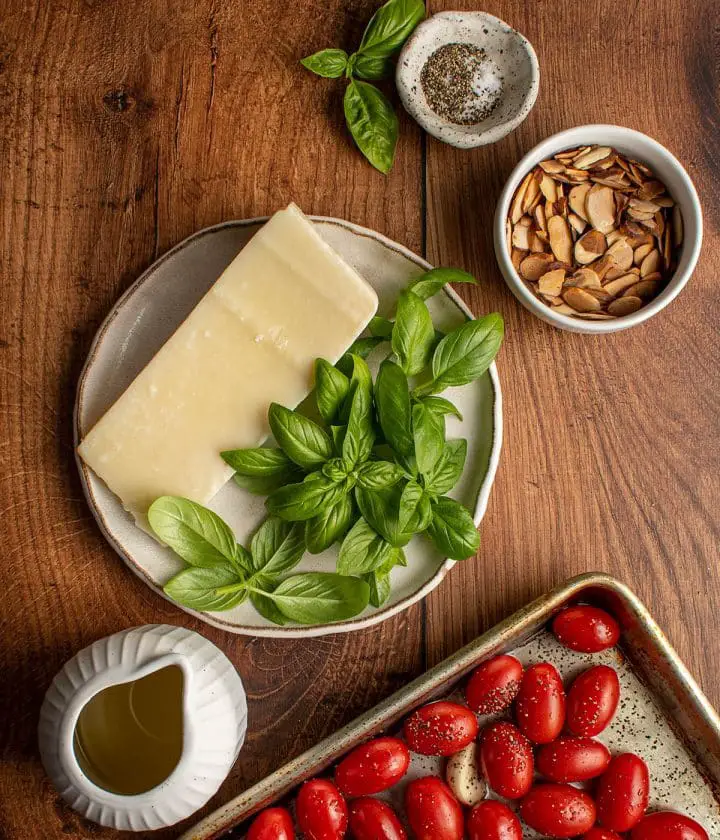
[221, 574]
[378, 471]
[369, 115]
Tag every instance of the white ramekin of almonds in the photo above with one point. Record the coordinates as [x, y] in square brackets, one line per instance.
[597, 229]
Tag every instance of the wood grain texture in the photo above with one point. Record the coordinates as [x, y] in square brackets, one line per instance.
[125, 127]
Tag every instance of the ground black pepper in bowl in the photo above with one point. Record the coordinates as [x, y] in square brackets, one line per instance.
[461, 84]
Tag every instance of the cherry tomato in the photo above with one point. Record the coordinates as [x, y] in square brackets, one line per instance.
[371, 819]
[540, 704]
[432, 810]
[493, 686]
[441, 728]
[587, 629]
[321, 811]
[622, 792]
[592, 700]
[666, 825]
[572, 759]
[272, 824]
[372, 767]
[506, 760]
[558, 810]
[491, 820]
[598, 833]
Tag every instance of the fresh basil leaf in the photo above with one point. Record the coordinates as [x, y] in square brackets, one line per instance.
[371, 67]
[337, 433]
[320, 597]
[363, 347]
[429, 437]
[358, 372]
[433, 281]
[412, 335]
[331, 388]
[330, 526]
[299, 502]
[452, 529]
[335, 469]
[439, 406]
[465, 353]
[262, 461]
[390, 26]
[360, 435]
[263, 485]
[373, 123]
[362, 550]
[266, 607]
[392, 400]
[301, 439]
[446, 473]
[197, 588]
[192, 531]
[415, 511]
[380, 327]
[379, 583]
[376, 475]
[330, 63]
[276, 546]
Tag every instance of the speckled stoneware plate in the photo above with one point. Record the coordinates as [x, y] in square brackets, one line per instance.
[150, 311]
[511, 63]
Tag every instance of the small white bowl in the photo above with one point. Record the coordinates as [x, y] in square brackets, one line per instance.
[507, 49]
[666, 167]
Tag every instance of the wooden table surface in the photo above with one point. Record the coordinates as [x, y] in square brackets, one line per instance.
[124, 127]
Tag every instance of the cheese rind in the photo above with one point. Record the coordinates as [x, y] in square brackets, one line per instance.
[286, 299]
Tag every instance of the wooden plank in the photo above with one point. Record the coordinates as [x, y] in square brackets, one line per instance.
[610, 459]
[125, 129]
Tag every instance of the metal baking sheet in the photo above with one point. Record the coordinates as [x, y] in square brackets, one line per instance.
[663, 714]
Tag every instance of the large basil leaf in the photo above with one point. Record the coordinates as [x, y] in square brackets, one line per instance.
[415, 511]
[359, 436]
[390, 26]
[380, 327]
[320, 597]
[452, 529]
[371, 67]
[439, 406]
[327, 528]
[192, 531]
[397, 512]
[197, 588]
[330, 63]
[375, 475]
[465, 353]
[276, 546]
[266, 607]
[446, 473]
[258, 462]
[263, 485]
[429, 437]
[432, 281]
[392, 400]
[379, 579]
[363, 347]
[302, 501]
[372, 122]
[331, 388]
[362, 550]
[413, 333]
[301, 439]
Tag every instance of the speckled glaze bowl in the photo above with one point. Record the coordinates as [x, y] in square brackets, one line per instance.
[508, 50]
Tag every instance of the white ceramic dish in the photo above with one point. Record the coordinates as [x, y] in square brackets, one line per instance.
[667, 168]
[510, 52]
[150, 311]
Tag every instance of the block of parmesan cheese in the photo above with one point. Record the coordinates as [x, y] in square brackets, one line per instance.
[286, 299]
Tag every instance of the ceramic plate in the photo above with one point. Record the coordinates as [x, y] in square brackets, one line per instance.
[149, 312]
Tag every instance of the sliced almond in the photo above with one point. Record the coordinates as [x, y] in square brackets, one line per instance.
[640, 253]
[516, 257]
[552, 167]
[576, 200]
[622, 253]
[639, 215]
[551, 282]
[650, 189]
[602, 266]
[624, 306]
[539, 215]
[667, 247]
[620, 284]
[600, 207]
[644, 289]
[677, 223]
[664, 201]
[643, 206]
[651, 263]
[595, 316]
[535, 265]
[581, 300]
[547, 187]
[589, 247]
[516, 208]
[549, 209]
[560, 238]
[650, 277]
[564, 309]
[463, 776]
[613, 236]
[595, 155]
[584, 278]
[531, 194]
[576, 175]
[576, 222]
[537, 245]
